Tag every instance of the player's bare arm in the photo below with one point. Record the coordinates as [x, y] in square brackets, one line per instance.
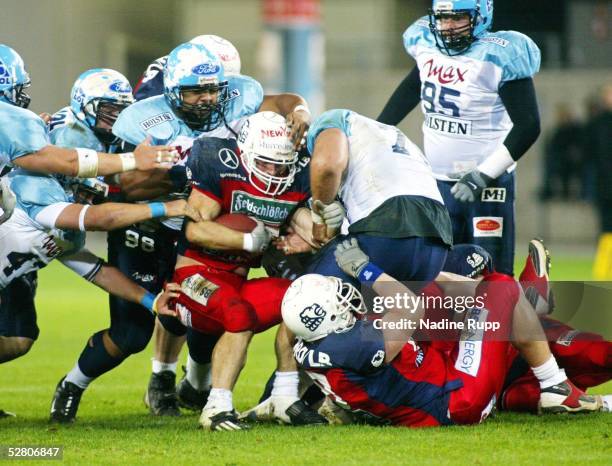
[115, 282]
[295, 110]
[110, 216]
[86, 163]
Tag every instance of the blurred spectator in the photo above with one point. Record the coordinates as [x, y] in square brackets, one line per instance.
[598, 145]
[589, 168]
[563, 157]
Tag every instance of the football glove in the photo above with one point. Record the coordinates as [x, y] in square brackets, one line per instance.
[258, 240]
[470, 186]
[331, 214]
[350, 257]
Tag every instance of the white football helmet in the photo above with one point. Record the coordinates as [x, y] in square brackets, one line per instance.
[224, 49]
[315, 306]
[267, 152]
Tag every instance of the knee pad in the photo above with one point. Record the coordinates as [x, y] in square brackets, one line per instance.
[132, 337]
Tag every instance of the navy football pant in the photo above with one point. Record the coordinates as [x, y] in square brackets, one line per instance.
[487, 222]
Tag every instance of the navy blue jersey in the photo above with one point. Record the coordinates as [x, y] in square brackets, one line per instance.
[350, 367]
[218, 172]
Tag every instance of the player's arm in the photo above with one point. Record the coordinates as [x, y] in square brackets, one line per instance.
[403, 100]
[208, 234]
[112, 280]
[111, 215]
[327, 167]
[356, 263]
[87, 163]
[295, 110]
[519, 98]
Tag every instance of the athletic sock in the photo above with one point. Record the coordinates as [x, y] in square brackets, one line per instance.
[159, 366]
[198, 375]
[221, 399]
[549, 373]
[286, 384]
[95, 360]
[607, 403]
[77, 377]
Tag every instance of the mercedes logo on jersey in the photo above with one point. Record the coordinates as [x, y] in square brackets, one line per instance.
[229, 158]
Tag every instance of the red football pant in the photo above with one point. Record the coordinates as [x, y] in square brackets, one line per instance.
[482, 363]
[226, 302]
[586, 358]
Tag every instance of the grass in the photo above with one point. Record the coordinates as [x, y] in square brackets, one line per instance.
[114, 427]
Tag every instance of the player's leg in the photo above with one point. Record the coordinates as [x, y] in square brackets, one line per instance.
[193, 389]
[412, 259]
[131, 324]
[324, 262]
[18, 328]
[490, 222]
[284, 404]
[458, 212]
[534, 277]
[169, 337]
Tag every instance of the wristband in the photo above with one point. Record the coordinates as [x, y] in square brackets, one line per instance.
[247, 242]
[497, 163]
[128, 161]
[369, 273]
[88, 163]
[149, 301]
[302, 107]
[158, 209]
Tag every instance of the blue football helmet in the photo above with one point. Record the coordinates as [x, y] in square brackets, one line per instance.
[457, 40]
[193, 68]
[13, 78]
[97, 98]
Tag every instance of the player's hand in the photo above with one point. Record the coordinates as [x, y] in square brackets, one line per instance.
[7, 199]
[164, 302]
[292, 243]
[470, 186]
[150, 157]
[350, 257]
[258, 240]
[332, 214]
[181, 208]
[46, 117]
[298, 122]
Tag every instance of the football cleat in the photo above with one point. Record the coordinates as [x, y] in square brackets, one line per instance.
[284, 410]
[160, 396]
[215, 420]
[65, 402]
[335, 414]
[534, 278]
[4, 414]
[189, 397]
[567, 398]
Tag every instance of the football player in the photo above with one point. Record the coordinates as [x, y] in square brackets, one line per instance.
[51, 216]
[258, 176]
[375, 369]
[24, 141]
[586, 357]
[392, 203]
[240, 97]
[481, 116]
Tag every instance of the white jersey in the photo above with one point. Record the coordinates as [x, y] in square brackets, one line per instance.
[465, 119]
[383, 163]
[29, 239]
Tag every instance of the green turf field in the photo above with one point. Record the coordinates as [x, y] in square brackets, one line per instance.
[114, 427]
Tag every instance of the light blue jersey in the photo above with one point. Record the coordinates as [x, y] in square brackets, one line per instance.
[465, 119]
[22, 132]
[29, 239]
[65, 130]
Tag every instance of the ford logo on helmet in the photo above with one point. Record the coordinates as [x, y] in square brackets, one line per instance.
[119, 86]
[205, 69]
